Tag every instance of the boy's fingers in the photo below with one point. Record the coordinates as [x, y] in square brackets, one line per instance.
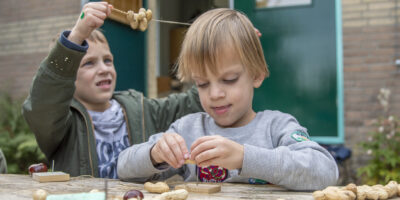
[199, 141]
[91, 17]
[94, 22]
[110, 7]
[102, 6]
[100, 15]
[207, 158]
[96, 13]
[257, 32]
[167, 153]
[182, 145]
[176, 149]
[200, 148]
[99, 10]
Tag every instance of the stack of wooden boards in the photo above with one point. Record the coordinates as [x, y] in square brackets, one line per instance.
[50, 176]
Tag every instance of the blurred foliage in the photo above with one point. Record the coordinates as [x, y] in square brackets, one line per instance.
[383, 147]
[17, 142]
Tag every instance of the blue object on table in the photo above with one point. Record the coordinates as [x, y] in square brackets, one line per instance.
[339, 152]
[78, 196]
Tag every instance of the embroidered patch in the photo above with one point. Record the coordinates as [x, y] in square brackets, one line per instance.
[212, 174]
[300, 136]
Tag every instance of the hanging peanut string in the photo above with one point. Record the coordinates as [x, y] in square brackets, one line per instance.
[141, 19]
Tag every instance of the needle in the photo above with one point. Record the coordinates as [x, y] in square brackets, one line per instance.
[197, 169]
[197, 175]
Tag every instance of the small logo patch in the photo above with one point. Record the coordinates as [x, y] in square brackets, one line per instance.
[257, 181]
[300, 136]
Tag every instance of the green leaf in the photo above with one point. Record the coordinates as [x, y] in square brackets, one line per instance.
[16, 140]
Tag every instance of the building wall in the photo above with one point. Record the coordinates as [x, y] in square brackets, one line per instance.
[26, 30]
[371, 44]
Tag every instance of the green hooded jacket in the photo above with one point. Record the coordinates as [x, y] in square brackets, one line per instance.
[63, 127]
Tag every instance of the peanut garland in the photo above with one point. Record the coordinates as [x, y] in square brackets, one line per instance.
[139, 20]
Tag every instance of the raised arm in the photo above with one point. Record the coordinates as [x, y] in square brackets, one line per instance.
[47, 108]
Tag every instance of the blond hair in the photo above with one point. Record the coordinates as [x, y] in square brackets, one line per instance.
[97, 36]
[211, 34]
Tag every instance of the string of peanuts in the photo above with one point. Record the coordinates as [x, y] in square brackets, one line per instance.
[139, 20]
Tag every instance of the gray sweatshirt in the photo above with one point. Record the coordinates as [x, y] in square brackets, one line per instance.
[276, 150]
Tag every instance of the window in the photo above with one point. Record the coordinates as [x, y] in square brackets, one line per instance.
[281, 3]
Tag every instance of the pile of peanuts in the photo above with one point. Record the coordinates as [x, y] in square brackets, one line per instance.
[160, 188]
[353, 192]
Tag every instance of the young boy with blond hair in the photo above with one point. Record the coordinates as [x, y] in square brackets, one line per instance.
[79, 122]
[229, 142]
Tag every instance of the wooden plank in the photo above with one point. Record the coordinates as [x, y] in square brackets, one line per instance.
[200, 188]
[50, 177]
[20, 187]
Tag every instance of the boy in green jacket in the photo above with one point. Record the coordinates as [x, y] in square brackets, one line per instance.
[77, 118]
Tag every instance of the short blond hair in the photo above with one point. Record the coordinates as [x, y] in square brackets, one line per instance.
[213, 32]
[97, 36]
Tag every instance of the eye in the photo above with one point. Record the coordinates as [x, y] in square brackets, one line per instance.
[108, 61]
[230, 81]
[87, 63]
[202, 85]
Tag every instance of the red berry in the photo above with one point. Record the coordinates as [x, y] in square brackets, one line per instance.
[41, 167]
[133, 194]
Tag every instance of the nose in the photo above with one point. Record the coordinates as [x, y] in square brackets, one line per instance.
[216, 91]
[103, 68]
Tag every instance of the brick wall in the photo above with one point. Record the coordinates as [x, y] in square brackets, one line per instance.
[371, 44]
[26, 29]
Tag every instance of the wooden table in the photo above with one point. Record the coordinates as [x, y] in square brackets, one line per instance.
[20, 187]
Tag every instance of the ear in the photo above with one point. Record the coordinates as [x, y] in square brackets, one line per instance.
[258, 79]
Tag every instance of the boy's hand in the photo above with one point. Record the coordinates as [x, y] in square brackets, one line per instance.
[92, 16]
[171, 148]
[257, 32]
[217, 150]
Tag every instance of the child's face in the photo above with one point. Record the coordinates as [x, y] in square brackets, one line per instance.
[227, 96]
[95, 82]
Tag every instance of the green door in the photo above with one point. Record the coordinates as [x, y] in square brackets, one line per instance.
[303, 49]
[128, 47]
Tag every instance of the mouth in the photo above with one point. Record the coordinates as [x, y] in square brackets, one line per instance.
[106, 83]
[220, 110]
